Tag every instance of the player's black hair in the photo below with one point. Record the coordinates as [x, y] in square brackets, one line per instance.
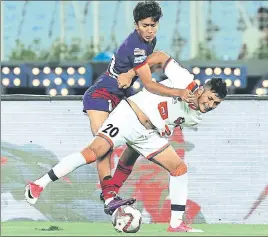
[218, 86]
[147, 9]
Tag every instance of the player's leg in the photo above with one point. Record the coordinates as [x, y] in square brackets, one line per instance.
[98, 103]
[113, 133]
[97, 119]
[178, 187]
[158, 150]
[109, 191]
[124, 124]
[70, 163]
[170, 161]
[96, 149]
[124, 167]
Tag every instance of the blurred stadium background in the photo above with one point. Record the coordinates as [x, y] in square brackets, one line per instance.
[61, 48]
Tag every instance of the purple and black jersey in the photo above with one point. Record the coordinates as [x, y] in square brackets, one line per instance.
[132, 53]
[104, 95]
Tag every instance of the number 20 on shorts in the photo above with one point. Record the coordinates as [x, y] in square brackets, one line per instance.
[111, 130]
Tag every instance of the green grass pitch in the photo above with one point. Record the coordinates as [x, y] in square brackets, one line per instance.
[43, 228]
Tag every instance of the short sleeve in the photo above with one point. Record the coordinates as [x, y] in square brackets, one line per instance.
[180, 77]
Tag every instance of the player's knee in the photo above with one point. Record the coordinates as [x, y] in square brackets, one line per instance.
[179, 170]
[89, 155]
[95, 129]
[96, 118]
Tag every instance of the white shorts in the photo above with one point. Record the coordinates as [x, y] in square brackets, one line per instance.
[123, 126]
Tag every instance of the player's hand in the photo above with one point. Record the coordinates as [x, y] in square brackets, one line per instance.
[165, 132]
[124, 80]
[187, 96]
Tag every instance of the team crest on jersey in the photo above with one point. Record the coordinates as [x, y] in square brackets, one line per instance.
[139, 52]
[139, 59]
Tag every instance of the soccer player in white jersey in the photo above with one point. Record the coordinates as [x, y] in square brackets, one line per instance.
[142, 121]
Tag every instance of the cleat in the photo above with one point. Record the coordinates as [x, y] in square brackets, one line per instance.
[183, 228]
[117, 202]
[32, 192]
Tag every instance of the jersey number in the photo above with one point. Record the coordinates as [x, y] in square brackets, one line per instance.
[113, 131]
[163, 110]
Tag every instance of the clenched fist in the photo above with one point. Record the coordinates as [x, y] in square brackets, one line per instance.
[124, 80]
[186, 95]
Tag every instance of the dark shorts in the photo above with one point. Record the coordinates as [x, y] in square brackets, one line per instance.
[104, 95]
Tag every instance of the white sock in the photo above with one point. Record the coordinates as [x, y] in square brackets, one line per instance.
[43, 181]
[64, 167]
[178, 191]
[68, 164]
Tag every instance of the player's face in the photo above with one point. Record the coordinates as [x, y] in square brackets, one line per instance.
[208, 101]
[147, 28]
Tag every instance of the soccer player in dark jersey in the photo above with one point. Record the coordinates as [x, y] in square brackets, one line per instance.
[104, 95]
[101, 98]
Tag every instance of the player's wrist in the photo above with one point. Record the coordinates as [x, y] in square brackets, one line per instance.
[178, 92]
[131, 74]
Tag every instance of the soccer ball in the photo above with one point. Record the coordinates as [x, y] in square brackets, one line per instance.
[127, 219]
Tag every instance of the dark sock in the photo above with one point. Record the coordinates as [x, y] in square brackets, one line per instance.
[121, 174]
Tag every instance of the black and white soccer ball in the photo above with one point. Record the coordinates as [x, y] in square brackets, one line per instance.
[127, 219]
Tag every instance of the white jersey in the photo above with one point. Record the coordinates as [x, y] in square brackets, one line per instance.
[163, 110]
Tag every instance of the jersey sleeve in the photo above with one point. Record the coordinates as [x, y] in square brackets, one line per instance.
[138, 57]
[180, 77]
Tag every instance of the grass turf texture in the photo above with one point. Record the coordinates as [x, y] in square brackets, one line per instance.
[42, 228]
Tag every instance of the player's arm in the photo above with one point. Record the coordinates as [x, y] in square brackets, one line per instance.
[144, 73]
[142, 69]
[156, 58]
[180, 77]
